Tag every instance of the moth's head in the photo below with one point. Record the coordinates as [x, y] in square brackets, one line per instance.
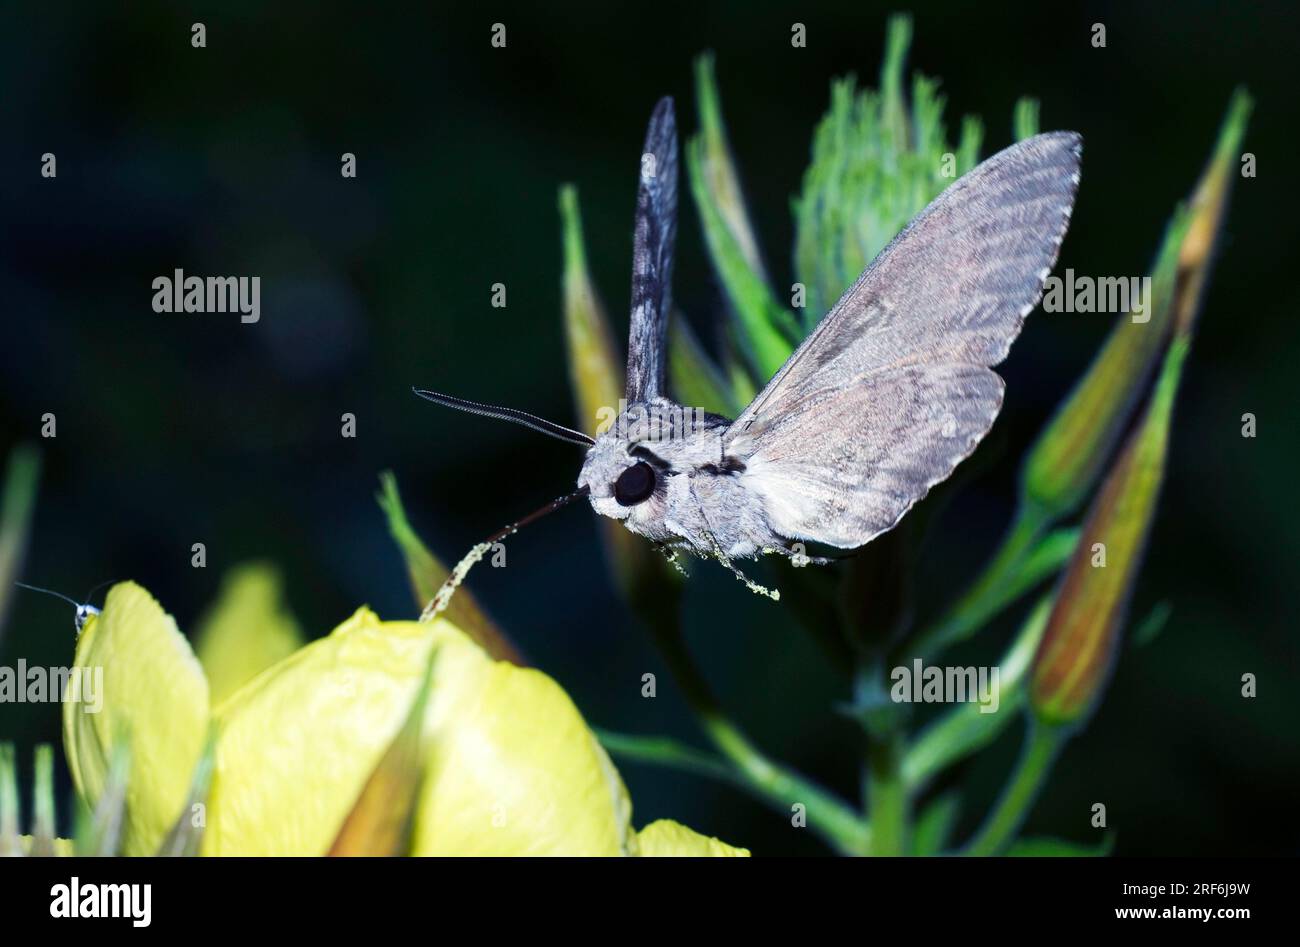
[84, 614]
[85, 611]
[624, 471]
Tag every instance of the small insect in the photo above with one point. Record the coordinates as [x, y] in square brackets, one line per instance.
[891, 390]
[84, 609]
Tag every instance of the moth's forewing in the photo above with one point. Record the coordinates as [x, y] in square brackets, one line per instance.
[894, 387]
[652, 256]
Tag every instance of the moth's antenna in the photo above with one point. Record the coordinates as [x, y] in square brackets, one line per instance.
[98, 587]
[442, 598]
[558, 431]
[37, 588]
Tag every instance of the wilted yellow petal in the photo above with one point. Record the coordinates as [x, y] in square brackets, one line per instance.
[668, 839]
[512, 767]
[246, 631]
[154, 696]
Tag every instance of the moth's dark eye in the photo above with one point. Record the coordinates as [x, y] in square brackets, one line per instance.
[635, 484]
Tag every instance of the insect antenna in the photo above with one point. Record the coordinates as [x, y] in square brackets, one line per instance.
[37, 588]
[98, 587]
[442, 598]
[550, 428]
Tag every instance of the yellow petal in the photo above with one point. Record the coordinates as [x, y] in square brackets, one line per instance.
[153, 694]
[669, 839]
[512, 767]
[246, 631]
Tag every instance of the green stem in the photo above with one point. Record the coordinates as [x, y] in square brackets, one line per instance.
[662, 751]
[827, 815]
[1042, 743]
[888, 796]
[984, 594]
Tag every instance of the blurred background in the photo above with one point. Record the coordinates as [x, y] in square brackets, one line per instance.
[182, 428]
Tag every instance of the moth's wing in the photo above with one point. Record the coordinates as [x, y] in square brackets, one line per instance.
[652, 256]
[894, 386]
[844, 464]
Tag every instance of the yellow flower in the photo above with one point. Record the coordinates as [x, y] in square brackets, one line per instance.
[154, 695]
[507, 766]
[246, 631]
[667, 839]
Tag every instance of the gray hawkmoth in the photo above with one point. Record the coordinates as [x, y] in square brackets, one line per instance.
[890, 391]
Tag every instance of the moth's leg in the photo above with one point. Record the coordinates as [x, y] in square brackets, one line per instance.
[773, 594]
[797, 557]
[722, 557]
[672, 555]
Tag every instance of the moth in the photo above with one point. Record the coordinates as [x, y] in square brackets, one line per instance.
[892, 389]
[84, 610]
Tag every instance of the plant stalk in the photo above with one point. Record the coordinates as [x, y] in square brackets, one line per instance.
[826, 815]
[887, 795]
[975, 605]
[1042, 742]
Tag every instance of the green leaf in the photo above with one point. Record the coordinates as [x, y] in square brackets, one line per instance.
[1024, 122]
[934, 825]
[1057, 848]
[595, 366]
[427, 573]
[695, 380]
[43, 830]
[1149, 628]
[665, 751]
[767, 331]
[719, 168]
[9, 814]
[1011, 576]
[99, 833]
[964, 729]
[16, 504]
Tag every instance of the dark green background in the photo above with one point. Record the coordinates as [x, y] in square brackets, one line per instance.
[175, 429]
